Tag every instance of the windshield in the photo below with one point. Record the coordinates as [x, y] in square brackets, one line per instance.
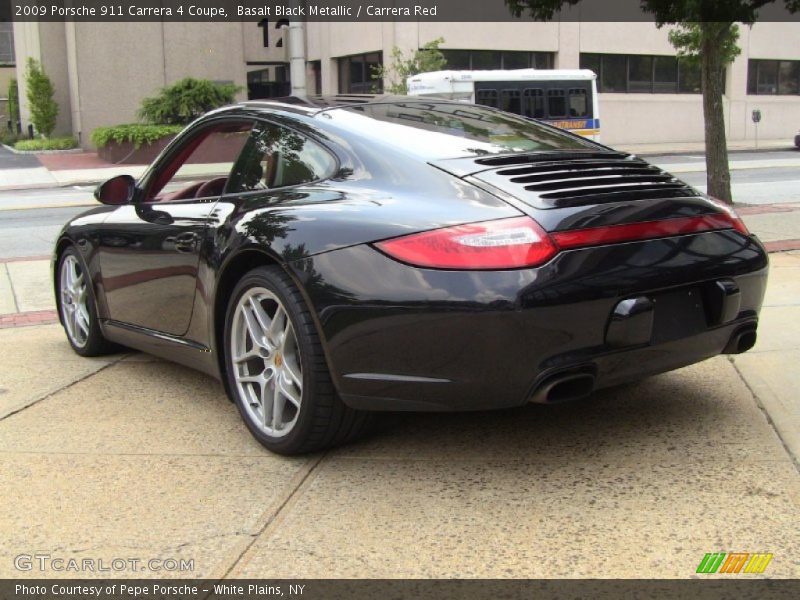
[451, 130]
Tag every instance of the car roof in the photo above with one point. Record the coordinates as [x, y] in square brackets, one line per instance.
[312, 105]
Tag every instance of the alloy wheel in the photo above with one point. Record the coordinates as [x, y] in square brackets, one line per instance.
[74, 301]
[266, 362]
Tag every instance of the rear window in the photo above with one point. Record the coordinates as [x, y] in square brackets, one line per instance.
[451, 130]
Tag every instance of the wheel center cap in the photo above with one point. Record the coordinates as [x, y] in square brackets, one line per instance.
[278, 360]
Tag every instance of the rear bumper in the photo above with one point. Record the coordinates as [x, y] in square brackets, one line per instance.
[400, 338]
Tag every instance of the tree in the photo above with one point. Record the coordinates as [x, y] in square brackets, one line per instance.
[185, 100]
[43, 108]
[13, 101]
[708, 32]
[426, 59]
[692, 40]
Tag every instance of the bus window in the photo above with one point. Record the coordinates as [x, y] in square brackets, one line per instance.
[534, 103]
[509, 101]
[578, 104]
[486, 97]
[556, 103]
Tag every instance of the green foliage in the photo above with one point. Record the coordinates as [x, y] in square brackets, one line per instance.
[687, 38]
[665, 11]
[13, 101]
[426, 59]
[41, 144]
[137, 134]
[43, 108]
[539, 10]
[711, 11]
[8, 138]
[185, 100]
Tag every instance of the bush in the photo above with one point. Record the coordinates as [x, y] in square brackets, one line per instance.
[9, 138]
[41, 144]
[185, 100]
[13, 101]
[44, 109]
[137, 134]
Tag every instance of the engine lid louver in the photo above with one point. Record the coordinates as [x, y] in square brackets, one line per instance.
[577, 179]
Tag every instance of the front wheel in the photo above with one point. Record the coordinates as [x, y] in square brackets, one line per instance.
[276, 368]
[77, 307]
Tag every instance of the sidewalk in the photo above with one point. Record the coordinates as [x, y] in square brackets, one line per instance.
[681, 147]
[18, 172]
[58, 170]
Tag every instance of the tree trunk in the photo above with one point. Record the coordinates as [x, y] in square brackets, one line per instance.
[717, 170]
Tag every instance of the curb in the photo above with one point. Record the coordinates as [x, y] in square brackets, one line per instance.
[35, 152]
[702, 151]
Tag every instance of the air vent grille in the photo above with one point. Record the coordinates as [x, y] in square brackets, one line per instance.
[576, 180]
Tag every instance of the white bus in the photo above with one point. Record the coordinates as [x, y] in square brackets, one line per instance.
[566, 98]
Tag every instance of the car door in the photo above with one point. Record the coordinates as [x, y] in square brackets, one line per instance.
[149, 250]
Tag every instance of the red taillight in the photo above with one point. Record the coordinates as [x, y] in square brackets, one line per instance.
[736, 220]
[630, 232]
[521, 242]
[504, 244]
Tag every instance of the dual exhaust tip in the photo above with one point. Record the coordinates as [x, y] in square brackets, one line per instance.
[741, 341]
[564, 387]
[577, 385]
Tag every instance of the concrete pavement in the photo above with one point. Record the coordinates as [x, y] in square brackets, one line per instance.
[129, 456]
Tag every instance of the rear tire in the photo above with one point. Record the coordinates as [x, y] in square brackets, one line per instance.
[276, 369]
[77, 307]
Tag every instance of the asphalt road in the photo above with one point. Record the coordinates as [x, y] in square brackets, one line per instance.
[31, 219]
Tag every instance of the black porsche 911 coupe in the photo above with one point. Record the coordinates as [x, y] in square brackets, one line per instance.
[330, 258]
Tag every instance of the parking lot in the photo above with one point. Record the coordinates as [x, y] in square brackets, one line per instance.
[131, 457]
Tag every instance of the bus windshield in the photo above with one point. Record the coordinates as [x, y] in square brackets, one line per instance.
[459, 129]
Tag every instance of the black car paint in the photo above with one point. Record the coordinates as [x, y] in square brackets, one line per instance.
[398, 337]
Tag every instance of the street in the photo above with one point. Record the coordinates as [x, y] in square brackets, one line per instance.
[31, 219]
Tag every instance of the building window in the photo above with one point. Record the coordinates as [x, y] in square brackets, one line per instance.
[635, 73]
[357, 76]
[6, 44]
[482, 60]
[269, 82]
[665, 75]
[773, 77]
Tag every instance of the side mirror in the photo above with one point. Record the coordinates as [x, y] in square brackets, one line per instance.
[116, 191]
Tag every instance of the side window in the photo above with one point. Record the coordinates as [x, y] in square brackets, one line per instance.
[200, 168]
[509, 101]
[534, 103]
[556, 103]
[276, 157]
[578, 103]
[486, 97]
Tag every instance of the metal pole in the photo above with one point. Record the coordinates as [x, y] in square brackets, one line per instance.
[297, 55]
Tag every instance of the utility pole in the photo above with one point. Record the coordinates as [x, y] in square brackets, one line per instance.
[297, 55]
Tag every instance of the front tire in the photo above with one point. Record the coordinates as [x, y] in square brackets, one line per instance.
[77, 308]
[276, 368]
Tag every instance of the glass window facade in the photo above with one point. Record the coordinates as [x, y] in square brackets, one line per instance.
[357, 74]
[635, 73]
[6, 44]
[484, 60]
[781, 77]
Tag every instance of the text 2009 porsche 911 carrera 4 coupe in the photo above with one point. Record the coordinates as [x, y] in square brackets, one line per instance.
[326, 259]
